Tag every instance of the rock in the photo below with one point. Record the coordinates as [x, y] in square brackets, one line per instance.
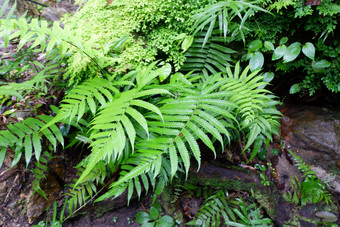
[285, 172]
[332, 180]
[53, 14]
[37, 204]
[326, 216]
[23, 114]
[56, 13]
[313, 133]
[3, 188]
[312, 128]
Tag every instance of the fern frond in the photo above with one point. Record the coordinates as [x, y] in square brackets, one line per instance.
[84, 192]
[26, 135]
[235, 212]
[174, 137]
[230, 16]
[40, 172]
[10, 12]
[20, 89]
[46, 39]
[212, 58]
[84, 98]
[115, 123]
[212, 210]
[255, 107]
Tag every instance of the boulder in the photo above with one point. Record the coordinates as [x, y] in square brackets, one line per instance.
[313, 133]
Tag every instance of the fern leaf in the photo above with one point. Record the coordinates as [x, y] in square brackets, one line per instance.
[28, 149]
[184, 154]
[193, 146]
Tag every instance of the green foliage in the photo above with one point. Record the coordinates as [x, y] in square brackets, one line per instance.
[211, 106]
[219, 208]
[230, 16]
[212, 58]
[40, 172]
[311, 190]
[57, 43]
[11, 11]
[55, 222]
[154, 217]
[145, 124]
[154, 25]
[27, 136]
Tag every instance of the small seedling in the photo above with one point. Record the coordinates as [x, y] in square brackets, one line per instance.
[154, 218]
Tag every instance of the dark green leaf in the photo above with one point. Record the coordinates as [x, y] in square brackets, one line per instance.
[321, 64]
[255, 45]
[142, 217]
[165, 221]
[294, 89]
[2, 155]
[154, 213]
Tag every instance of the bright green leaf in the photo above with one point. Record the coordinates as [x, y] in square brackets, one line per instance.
[28, 149]
[279, 52]
[292, 52]
[321, 64]
[268, 45]
[309, 50]
[256, 61]
[165, 221]
[255, 45]
[154, 213]
[283, 40]
[294, 89]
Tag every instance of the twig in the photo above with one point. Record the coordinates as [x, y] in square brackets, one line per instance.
[10, 190]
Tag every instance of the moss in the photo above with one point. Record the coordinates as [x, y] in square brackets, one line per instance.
[153, 26]
[169, 207]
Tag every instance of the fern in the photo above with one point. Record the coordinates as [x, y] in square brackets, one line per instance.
[26, 136]
[230, 16]
[80, 194]
[154, 138]
[234, 212]
[212, 58]
[185, 119]
[11, 11]
[256, 111]
[40, 172]
[46, 39]
[112, 126]
[312, 189]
